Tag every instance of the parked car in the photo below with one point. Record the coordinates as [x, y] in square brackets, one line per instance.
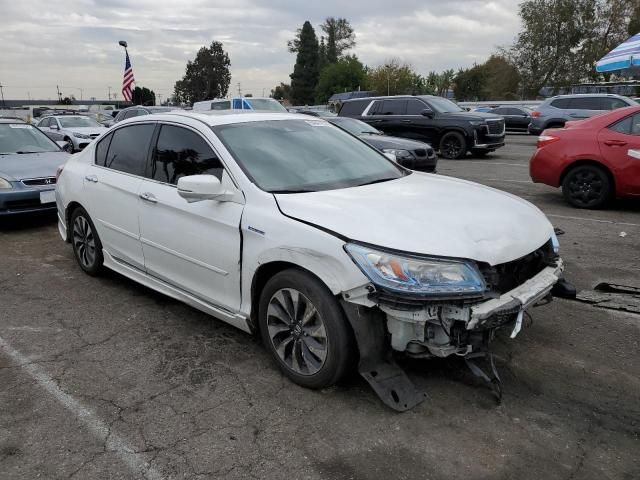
[103, 118]
[430, 119]
[554, 112]
[315, 113]
[296, 230]
[408, 153]
[240, 103]
[76, 130]
[593, 160]
[28, 164]
[515, 118]
[139, 111]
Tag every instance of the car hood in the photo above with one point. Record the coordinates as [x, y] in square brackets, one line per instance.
[427, 214]
[17, 167]
[87, 130]
[470, 116]
[382, 141]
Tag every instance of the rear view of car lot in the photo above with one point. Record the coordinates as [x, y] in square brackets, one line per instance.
[191, 397]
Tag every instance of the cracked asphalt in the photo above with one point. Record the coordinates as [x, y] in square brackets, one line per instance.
[101, 378]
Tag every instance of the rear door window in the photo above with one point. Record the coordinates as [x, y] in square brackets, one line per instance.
[394, 107]
[129, 148]
[560, 103]
[180, 152]
[585, 103]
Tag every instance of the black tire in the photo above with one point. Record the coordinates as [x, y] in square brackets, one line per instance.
[302, 339]
[587, 186]
[86, 244]
[453, 146]
[69, 147]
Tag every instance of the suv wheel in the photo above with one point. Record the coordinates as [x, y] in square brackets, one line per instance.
[587, 186]
[453, 146]
[87, 247]
[303, 327]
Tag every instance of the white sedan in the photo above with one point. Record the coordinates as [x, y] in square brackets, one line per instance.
[288, 227]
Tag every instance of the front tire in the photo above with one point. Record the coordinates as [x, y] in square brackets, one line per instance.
[305, 330]
[86, 244]
[69, 147]
[587, 186]
[453, 146]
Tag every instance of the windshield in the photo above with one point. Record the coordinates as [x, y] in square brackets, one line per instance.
[265, 104]
[355, 127]
[77, 122]
[442, 105]
[290, 156]
[23, 138]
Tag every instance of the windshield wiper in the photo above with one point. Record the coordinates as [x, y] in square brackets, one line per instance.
[298, 190]
[380, 180]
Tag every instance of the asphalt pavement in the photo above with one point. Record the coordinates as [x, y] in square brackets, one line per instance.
[101, 378]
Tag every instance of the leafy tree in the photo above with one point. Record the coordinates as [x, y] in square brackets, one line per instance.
[346, 75]
[206, 77]
[143, 96]
[282, 92]
[502, 79]
[305, 72]
[340, 37]
[322, 54]
[392, 78]
[470, 83]
[634, 21]
[66, 100]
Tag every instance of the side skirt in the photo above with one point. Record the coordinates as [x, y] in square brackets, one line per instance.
[235, 319]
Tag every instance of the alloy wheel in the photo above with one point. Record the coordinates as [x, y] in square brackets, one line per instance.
[84, 241]
[297, 331]
[585, 187]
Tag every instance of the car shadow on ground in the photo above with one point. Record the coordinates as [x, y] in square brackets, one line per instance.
[27, 222]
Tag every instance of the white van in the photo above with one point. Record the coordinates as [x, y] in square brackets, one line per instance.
[240, 103]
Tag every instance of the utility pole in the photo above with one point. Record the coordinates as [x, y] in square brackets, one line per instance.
[59, 96]
[109, 98]
[239, 90]
[160, 98]
[2, 94]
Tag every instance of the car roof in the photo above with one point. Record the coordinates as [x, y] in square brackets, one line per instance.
[64, 115]
[390, 97]
[224, 117]
[11, 120]
[573, 95]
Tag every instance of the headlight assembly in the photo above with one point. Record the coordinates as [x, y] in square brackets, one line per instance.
[477, 123]
[555, 243]
[400, 154]
[5, 184]
[81, 135]
[416, 274]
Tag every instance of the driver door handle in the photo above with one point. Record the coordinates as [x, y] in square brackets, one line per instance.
[148, 197]
[615, 143]
[91, 178]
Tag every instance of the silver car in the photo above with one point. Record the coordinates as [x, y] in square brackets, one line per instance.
[28, 165]
[76, 130]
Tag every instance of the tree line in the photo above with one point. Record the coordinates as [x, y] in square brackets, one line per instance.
[558, 45]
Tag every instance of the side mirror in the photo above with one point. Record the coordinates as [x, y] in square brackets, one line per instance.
[195, 188]
[391, 157]
[427, 112]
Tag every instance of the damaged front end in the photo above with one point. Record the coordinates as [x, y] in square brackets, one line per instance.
[428, 307]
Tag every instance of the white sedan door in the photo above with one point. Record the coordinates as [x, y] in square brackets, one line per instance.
[192, 246]
[112, 186]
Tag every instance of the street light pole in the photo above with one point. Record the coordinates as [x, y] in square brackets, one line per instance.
[109, 94]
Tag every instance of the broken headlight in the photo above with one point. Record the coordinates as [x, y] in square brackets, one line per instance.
[417, 274]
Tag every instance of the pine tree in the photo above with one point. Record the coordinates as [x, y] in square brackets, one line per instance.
[306, 70]
[340, 37]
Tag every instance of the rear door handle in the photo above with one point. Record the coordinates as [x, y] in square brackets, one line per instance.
[615, 143]
[91, 178]
[148, 197]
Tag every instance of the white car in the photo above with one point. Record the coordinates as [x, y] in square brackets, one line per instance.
[77, 130]
[286, 226]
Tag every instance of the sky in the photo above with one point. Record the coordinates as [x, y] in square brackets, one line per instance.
[74, 43]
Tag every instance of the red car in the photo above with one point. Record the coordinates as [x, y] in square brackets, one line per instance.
[594, 160]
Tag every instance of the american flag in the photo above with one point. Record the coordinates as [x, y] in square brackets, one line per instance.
[127, 80]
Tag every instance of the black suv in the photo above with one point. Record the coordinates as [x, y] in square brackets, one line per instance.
[430, 119]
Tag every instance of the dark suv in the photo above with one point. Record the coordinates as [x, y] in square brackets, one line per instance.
[434, 120]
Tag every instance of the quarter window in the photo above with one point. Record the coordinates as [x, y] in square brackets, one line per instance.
[613, 103]
[129, 148]
[180, 152]
[376, 108]
[628, 126]
[221, 105]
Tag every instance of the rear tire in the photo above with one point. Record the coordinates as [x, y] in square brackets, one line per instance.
[86, 244]
[587, 186]
[453, 146]
[305, 330]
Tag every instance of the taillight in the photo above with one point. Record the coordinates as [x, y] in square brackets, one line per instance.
[544, 140]
[535, 113]
[59, 171]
